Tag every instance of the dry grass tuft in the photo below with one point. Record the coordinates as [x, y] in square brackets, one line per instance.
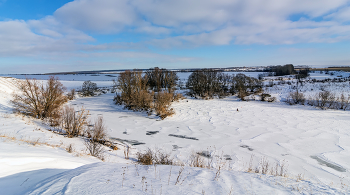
[145, 158]
[196, 160]
[150, 157]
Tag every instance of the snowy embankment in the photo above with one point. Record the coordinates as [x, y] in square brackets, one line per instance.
[34, 160]
[28, 152]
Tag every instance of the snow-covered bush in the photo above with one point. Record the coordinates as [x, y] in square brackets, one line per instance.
[343, 102]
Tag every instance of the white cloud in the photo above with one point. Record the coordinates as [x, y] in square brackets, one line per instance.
[27, 38]
[105, 16]
[173, 23]
[342, 15]
[207, 22]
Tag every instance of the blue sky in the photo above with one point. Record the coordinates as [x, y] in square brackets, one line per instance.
[39, 36]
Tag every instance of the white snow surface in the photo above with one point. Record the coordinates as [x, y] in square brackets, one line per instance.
[312, 142]
[273, 130]
[109, 178]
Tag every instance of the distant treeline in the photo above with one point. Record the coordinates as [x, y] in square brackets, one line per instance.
[289, 69]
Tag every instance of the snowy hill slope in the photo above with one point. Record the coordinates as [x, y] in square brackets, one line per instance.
[7, 87]
[28, 152]
[110, 178]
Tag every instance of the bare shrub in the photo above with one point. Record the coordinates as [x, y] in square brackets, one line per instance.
[38, 100]
[99, 131]
[89, 88]
[163, 158]
[325, 99]
[150, 157]
[145, 158]
[296, 98]
[71, 94]
[343, 102]
[73, 122]
[162, 104]
[94, 148]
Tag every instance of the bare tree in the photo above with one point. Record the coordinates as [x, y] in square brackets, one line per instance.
[159, 79]
[38, 100]
[134, 91]
[243, 85]
[206, 83]
[89, 88]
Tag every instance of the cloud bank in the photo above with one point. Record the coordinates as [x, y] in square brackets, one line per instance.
[71, 29]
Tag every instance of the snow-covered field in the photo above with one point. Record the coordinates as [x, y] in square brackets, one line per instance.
[312, 143]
